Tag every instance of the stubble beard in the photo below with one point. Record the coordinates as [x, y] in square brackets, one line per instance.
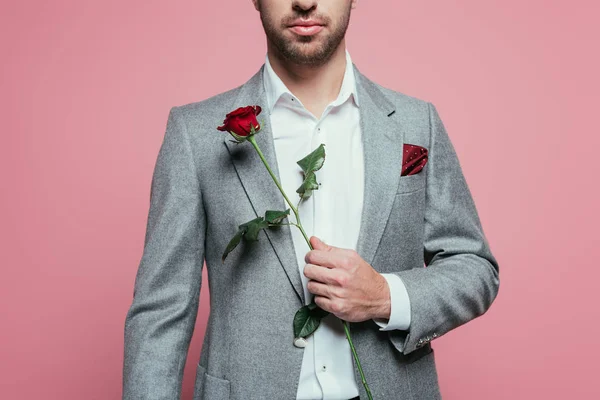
[297, 50]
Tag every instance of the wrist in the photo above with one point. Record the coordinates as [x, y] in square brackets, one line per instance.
[384, 301]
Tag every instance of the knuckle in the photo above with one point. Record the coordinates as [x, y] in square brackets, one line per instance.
[336, 307]
[347, 262]
[336, 292]
[341, 280]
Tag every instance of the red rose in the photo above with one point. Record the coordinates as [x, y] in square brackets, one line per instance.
[239, 122]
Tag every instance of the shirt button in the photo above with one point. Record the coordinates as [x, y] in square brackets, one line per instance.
[300, 342]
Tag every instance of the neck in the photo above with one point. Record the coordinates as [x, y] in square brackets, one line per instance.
[314, 86]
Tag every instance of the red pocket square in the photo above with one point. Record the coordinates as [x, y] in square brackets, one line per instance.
[413, 160]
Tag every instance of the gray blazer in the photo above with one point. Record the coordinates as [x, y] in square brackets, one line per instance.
[204, 186]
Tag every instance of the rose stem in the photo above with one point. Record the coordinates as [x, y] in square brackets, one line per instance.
[252, 140]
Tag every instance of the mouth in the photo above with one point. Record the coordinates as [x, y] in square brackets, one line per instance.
[306, 27]
[306, 30]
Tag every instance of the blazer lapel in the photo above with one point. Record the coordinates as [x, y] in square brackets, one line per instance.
[258, 184]
[382, 140]
[382, 152]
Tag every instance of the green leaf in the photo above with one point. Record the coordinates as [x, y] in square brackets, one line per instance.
[310, 183]
[253, 228]
[314, 161]
[248, 230]
[307, 320]
[275, 217]
[233, 243]
[309, 164]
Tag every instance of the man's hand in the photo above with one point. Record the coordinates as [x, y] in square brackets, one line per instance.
[344, 284]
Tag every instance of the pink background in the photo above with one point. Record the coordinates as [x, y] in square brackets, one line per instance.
[85, 92]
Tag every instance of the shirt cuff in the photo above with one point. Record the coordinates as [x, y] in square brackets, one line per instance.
[399, 305]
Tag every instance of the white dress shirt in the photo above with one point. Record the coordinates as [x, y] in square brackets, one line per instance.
[332, 213]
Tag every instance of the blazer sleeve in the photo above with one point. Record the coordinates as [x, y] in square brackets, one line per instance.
[160, 321]
[461, 277]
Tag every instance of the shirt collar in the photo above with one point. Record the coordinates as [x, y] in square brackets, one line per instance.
[275, 88]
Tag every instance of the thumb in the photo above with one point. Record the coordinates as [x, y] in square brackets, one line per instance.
[318, 244]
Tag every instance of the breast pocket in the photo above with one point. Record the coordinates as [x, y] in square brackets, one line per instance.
[412, 183]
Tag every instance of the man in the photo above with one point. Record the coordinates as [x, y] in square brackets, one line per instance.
[392, 198]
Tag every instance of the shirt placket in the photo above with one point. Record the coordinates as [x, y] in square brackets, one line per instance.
[322, 362]
[316, 215]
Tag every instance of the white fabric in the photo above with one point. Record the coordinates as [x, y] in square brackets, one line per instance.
[332, 213]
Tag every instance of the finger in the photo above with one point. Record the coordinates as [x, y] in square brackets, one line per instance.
[318, 288]
[319, 273]
[330, 259]
[323, 302]
[319, 244]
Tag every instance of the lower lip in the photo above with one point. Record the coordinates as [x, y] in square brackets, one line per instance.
[306, 30]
